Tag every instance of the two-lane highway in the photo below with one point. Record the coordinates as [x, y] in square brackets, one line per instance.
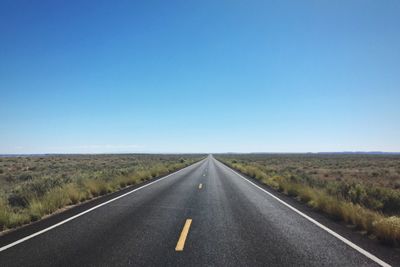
[205, 214]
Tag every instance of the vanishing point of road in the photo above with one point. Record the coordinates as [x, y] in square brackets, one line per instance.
[203, 215]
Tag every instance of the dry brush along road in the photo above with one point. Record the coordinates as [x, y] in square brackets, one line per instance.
[205, 214]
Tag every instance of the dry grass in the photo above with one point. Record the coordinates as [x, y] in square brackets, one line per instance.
[385, 228]
[33, 193]
[388, 229]
[9, 218]
[97, 188]
[49, 203]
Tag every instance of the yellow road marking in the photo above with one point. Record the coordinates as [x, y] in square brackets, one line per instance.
[200, 186]
[182, 238]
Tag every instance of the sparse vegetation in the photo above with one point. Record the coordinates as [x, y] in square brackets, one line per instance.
[35, 186]
[361, 190]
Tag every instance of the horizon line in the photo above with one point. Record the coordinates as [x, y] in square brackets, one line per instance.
[183, 153]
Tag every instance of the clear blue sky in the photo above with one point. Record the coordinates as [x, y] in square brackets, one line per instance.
[199, 76]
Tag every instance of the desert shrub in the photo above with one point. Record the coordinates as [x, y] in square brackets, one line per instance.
[354, 203]
[47, 204]
[10, 218]
[25, 177]
[4, 214]
[22, 193]
[18, 198]
[51, 183]
[356, 193]
[391, 202]
[40, 187]
[396, 184]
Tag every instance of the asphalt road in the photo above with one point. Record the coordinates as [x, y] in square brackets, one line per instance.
[233, 223]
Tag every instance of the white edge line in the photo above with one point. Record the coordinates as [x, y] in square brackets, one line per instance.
[89, 210]
[341, 238]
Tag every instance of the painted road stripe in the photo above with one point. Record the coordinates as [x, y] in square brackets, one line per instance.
[182, 239]
[89, 210]
[341, 238]
[200, 186]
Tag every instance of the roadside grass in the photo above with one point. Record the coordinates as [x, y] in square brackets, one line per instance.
[375, 223]
[10, 218]
[95, 188]
[49, 203]
[32, 200]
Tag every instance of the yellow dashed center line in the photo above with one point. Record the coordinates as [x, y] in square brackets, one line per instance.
[181, 242]
[200, 186]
